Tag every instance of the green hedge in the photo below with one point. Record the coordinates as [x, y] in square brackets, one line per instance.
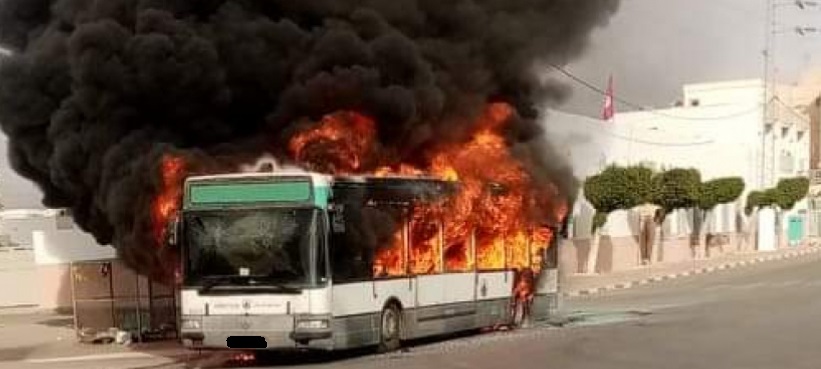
[784, 196]
[677, 189]
[618, 188]
[720, 191]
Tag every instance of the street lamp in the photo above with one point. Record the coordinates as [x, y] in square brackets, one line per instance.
[804, 4]
[803, 31]
[800, 4]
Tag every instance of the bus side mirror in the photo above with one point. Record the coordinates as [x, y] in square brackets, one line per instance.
[171, 232]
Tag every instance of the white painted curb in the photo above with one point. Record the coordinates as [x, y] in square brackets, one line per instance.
[705, 270]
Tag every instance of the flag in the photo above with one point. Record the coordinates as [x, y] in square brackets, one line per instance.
[609, 102]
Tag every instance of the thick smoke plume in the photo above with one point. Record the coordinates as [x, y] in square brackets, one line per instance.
[99, 90]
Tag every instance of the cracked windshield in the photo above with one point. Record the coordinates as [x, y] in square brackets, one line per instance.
[411, 184]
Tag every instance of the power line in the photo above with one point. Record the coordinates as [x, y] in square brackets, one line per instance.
[653, 143]
[602, 92]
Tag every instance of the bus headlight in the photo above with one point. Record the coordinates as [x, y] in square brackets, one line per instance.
[192, 324]
[313, 324]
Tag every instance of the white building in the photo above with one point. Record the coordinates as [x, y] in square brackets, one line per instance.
[717, 128]
[37, 248]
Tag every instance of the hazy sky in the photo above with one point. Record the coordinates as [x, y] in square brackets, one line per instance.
[15, 191]
[652, 47]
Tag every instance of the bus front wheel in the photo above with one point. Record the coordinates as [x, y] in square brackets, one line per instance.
[390, 329]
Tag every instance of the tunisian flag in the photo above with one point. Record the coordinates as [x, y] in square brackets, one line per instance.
[609, 104]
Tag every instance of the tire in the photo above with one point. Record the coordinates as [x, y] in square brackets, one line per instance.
[390, 329]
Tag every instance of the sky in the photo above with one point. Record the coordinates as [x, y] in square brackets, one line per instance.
[651, 48]
[15, 192]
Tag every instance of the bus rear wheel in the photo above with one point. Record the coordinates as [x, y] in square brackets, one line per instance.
[390, 329]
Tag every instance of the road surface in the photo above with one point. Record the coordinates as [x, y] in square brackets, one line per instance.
[765, 316]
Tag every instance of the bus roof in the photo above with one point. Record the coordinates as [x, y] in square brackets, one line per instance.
[319, 179]
[391, 189]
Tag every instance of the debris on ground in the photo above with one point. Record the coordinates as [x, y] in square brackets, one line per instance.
[105, 337]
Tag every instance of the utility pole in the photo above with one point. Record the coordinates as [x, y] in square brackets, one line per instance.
[770, 92]
[768, 5]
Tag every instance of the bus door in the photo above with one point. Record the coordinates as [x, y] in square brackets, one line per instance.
[445, 293]
[393, 283]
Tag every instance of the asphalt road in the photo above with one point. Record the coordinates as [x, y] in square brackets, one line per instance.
[766, 316]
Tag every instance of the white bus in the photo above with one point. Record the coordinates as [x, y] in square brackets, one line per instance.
[289, 261]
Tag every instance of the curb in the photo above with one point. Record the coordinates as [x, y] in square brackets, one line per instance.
[706, 270]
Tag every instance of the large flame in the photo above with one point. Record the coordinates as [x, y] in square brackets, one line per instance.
[337, 145]
[492, 211]
[489, 224]
[167, 202]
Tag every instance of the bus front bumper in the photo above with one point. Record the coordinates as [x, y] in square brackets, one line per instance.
[279, 332]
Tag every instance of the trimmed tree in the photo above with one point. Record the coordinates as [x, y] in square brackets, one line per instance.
[711, 194]
[787, 194]
[784, 196]
[615, 188]
[790, 191]
[674, 189]
[759, 199]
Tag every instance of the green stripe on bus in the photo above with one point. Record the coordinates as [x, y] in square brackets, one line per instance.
[242, 193]
[321, 196]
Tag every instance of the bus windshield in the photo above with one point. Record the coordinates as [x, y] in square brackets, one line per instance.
[253, 248]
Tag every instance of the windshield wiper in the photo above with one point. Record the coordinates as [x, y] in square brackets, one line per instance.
[271, 282]
[255, 283]
[211, 282]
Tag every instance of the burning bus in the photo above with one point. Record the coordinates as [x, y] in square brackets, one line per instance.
[285, 260]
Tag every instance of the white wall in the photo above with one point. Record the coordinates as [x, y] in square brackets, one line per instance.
[721, 137]
[19, 281]
[66, 246]
[54, 246]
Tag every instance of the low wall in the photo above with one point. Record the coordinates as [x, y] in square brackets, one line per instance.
[614, 254]
[55, 287]
[18, 279]
[623, 253]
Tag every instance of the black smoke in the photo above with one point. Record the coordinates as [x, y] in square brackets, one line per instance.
[99, 90]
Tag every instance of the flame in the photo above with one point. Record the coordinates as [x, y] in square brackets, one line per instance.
[167, 202]
[492, 212]
[336, 145]
[497, 219]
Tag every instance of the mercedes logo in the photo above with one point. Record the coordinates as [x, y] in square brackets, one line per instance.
[246, 325]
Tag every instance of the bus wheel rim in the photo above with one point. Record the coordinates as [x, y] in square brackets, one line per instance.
[389, 324]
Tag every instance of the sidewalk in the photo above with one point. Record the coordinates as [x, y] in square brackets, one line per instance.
[582, 285]
[45, 339]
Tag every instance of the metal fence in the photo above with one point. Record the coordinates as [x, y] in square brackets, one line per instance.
[108, 295]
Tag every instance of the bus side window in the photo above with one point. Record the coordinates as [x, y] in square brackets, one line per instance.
[338, 219]
[350, 261]
[552, 257]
